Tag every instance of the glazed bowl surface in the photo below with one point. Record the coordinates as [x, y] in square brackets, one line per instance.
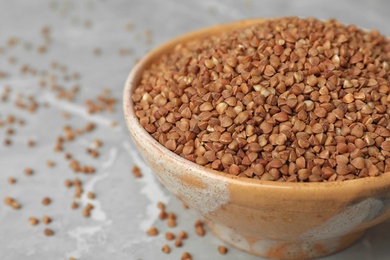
[270, 219]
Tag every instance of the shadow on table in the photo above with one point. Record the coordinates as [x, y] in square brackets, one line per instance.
[375, 245]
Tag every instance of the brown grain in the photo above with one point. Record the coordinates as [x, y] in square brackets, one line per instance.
[28, 171]
[136, 171]
[91, 195]
[166, 249]
[222, 250]
[178, 243]
[46, 220]
[278, 101]
[48, 232]
[74, 205]
[46, 201]
[152, 231]
[170, 236]
[186, 256]
[182, 235]
[33, 221]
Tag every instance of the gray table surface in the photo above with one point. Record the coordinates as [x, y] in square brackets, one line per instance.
[125, 206]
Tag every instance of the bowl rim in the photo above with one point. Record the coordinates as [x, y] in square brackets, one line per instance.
[133, 124]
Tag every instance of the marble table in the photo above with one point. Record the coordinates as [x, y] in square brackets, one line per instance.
[101, 41]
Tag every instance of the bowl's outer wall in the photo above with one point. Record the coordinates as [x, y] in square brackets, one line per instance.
[253, 208]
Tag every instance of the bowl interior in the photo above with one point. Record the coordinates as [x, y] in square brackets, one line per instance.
[367, 184]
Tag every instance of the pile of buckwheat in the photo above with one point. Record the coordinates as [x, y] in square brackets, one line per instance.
[296, 100]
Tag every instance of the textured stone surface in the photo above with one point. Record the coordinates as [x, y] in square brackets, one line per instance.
[125, 206]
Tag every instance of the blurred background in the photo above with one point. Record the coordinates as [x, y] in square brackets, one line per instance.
[63, 65]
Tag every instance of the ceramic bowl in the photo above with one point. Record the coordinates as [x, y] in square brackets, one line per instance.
[269, 219]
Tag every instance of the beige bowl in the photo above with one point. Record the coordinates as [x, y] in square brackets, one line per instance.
[270, 219]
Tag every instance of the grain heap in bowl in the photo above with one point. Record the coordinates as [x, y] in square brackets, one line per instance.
[289, 99]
